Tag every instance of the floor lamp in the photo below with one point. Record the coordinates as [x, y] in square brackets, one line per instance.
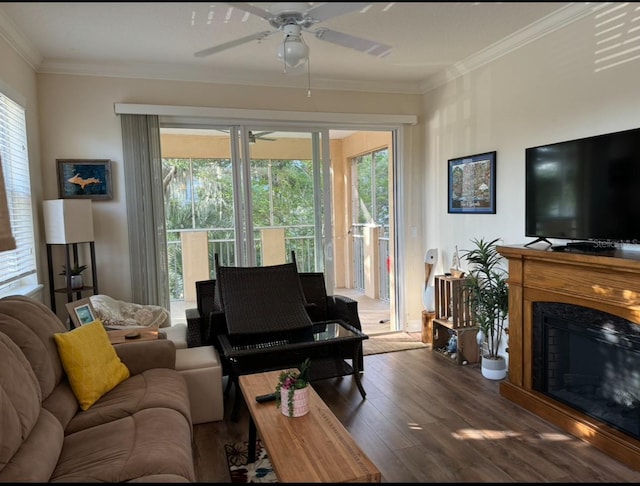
[68, 222]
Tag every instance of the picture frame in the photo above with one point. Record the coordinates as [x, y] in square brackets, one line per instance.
[472, 184]
[84, 179]
[81, 312]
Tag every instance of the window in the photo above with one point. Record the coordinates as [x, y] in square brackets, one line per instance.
[17, 267]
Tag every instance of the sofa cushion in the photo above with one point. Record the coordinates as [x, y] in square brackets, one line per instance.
[149, 443]
[30, 324]
[25, 429]
[92, 365]
[160, 387]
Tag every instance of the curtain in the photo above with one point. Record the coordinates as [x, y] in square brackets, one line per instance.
[145, 209]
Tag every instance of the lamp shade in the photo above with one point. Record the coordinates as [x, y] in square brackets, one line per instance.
[68, 221]
[7, 242]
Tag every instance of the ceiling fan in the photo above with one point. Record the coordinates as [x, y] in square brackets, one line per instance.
[259, 136]
[253, 137]
[292, 18]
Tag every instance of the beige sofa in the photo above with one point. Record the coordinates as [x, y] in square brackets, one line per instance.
[139, 431]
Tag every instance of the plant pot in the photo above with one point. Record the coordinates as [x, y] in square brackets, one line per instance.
[494, 368]
[76, 282]
[300, 402]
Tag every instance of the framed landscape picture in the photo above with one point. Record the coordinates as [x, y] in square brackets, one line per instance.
[84, 179]
[472, 184]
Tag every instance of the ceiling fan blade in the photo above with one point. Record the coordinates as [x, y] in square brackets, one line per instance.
[247, 7]
[228, 45]
[373, 48]
[330, 9]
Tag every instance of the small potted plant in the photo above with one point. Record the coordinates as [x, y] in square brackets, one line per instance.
[75, 275]
[488, 295]
[292, 392]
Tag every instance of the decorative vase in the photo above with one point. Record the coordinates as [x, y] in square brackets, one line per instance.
[76, 281]
[494, 368]
[300, 402]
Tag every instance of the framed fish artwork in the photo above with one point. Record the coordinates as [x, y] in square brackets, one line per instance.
[84, 179]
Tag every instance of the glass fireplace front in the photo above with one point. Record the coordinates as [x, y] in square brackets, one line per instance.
[590, 361]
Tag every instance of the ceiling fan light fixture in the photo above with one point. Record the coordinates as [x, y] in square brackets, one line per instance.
[293, 51]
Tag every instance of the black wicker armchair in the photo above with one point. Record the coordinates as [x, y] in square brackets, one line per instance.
[319, 306]
[198, 331]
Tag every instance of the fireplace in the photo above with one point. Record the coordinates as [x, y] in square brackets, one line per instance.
[590, 361]
[574, 344]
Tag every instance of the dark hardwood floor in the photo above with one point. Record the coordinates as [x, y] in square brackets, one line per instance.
[426, 419]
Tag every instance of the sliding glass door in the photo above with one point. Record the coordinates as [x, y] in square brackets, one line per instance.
[252, 210]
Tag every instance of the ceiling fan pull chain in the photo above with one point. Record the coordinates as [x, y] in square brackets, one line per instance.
[308, 78]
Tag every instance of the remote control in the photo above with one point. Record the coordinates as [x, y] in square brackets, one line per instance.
[266, 398]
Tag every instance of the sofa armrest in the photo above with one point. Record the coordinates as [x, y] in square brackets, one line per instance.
[196, 328]
[145, 355]
[345, 308]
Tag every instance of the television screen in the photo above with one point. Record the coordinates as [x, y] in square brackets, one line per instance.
[585, 189]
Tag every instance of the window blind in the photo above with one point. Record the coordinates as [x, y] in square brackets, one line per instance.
[21, 262]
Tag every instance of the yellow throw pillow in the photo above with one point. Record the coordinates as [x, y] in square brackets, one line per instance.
[90, 361]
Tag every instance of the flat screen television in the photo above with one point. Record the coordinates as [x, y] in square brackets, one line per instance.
[585, 189]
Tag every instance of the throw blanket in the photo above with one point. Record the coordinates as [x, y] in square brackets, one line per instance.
[117, 314]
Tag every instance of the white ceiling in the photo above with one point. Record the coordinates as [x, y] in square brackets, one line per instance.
[430, 41]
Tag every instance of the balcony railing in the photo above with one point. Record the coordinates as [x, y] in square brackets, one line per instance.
[302, 245]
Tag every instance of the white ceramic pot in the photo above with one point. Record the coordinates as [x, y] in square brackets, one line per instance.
[76, 281]
[494, 369]
[300, 402]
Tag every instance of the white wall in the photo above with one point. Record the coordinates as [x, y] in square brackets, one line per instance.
[545, 92]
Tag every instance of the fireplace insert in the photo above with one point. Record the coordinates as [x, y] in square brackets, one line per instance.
[590, 361]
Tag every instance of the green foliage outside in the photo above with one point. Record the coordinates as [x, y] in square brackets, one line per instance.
[199, 195]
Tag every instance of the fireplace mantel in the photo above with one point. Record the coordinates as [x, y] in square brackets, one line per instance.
[608, 283]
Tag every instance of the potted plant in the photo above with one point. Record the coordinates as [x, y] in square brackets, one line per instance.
[75, 275]
[292, 392]
[488, 297]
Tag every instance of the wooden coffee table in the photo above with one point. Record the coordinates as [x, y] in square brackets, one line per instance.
[313, 448]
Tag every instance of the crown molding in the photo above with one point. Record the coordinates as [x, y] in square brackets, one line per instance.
[546, 25]
[10, 33]
[173, 72]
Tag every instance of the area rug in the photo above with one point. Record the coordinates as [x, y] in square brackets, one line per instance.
[258, 472]
[390, 342]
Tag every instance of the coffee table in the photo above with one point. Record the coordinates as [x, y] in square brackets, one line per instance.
[313, 448]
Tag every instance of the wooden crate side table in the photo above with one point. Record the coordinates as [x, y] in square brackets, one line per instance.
[453, 312]
[427, 326]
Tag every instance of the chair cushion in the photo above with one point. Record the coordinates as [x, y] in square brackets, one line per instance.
[92, 365]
